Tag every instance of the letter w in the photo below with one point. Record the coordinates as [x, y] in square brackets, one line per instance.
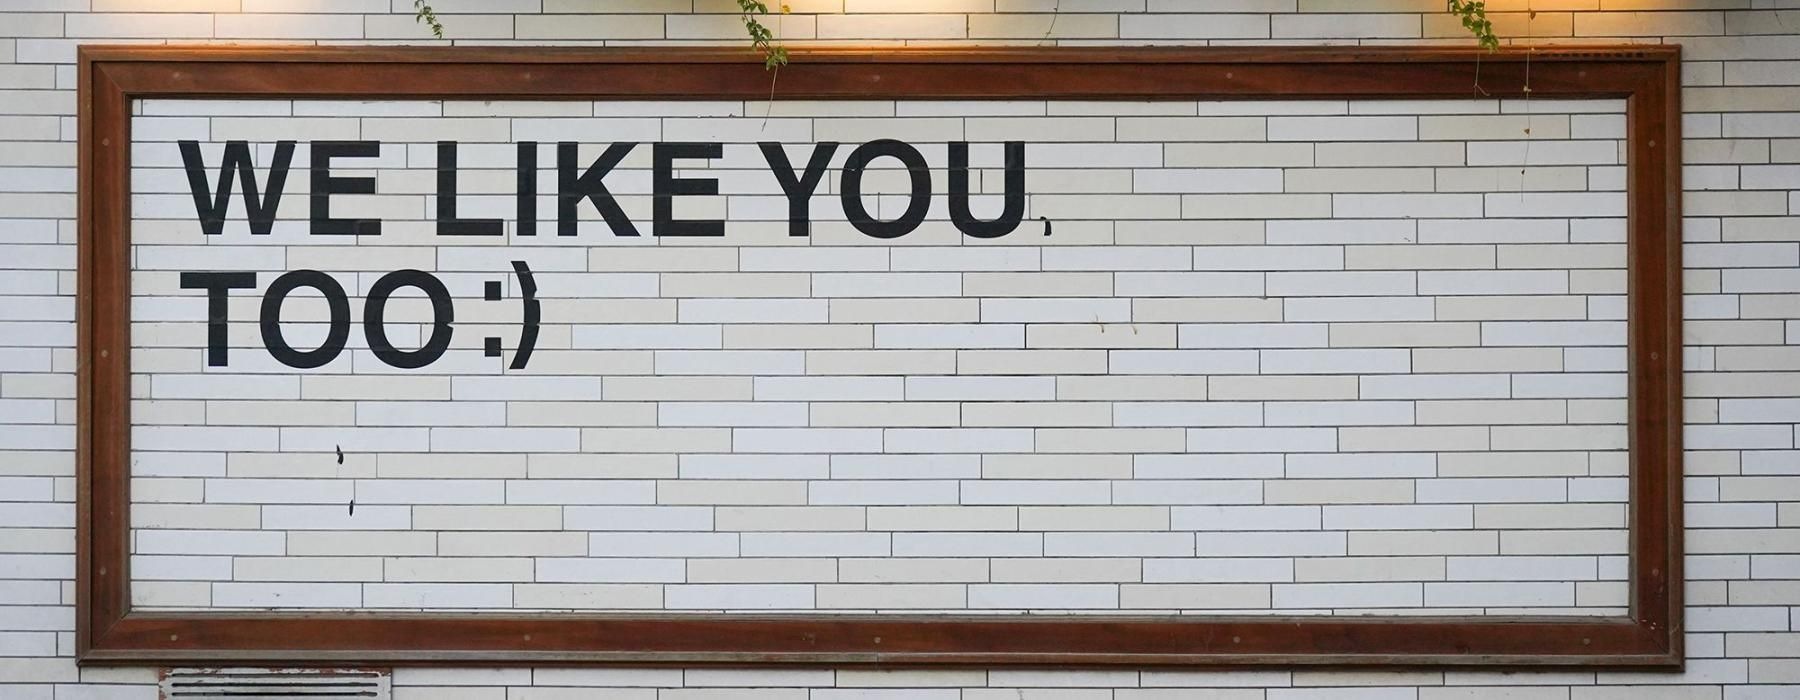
[260, 210]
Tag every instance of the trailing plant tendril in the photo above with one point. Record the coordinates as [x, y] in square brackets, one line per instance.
[424, 13]
[1473, 14]
[775, 55]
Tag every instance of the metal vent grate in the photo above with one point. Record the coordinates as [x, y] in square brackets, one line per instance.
[276, 683]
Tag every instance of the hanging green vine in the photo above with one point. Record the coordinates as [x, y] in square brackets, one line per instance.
[1473, 14]
[424, 13]
[775, 55]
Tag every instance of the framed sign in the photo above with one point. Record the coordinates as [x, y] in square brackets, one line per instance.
[1147, 357]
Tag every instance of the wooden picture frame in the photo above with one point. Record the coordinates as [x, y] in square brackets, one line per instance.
[108, 631]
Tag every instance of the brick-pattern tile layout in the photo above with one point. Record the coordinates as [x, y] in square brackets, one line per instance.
[719, 516]
[1303, 357]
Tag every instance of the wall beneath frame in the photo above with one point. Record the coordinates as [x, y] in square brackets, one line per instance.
[1742, 379]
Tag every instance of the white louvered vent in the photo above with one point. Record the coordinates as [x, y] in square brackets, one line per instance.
[276, 683]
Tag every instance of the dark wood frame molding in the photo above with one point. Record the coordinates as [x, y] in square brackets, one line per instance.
[108, 631]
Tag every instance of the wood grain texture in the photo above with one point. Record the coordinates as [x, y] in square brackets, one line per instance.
[109, 632]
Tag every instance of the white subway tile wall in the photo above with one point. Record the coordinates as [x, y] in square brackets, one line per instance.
[1172, 474]
[1312, 356]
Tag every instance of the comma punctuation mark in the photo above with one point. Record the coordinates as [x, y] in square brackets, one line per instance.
[1046, 225]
